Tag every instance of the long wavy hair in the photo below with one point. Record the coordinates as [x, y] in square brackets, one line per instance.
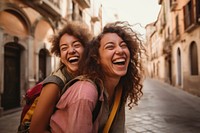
[131, 82]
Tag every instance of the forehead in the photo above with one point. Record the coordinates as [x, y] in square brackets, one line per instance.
[110, 37]
[66, 37]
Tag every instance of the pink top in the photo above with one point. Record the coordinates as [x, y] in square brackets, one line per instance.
[75, 107]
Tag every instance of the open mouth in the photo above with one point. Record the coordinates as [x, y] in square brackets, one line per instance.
[119, 62]
[73, 59]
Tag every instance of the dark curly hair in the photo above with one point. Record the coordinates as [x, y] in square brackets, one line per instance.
[131, 82]
[75, 28]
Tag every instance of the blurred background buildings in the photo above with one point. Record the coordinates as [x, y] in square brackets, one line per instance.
[173, 42]
[25, 27]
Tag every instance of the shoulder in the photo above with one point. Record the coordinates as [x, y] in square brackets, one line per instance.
[82, 90]
[55, 80]
[85, 87]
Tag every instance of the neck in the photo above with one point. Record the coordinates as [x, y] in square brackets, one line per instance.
[110, 85]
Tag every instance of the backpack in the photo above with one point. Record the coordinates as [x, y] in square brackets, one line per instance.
[31, 99]
[32, 96]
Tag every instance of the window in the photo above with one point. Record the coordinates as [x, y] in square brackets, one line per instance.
[194, 59]
[198, 10]
[177, 26]
[188, 10]
[73, 11]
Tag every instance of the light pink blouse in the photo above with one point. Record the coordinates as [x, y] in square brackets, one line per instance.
[74, 110]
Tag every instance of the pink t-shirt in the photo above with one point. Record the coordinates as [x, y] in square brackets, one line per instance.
[74, 110]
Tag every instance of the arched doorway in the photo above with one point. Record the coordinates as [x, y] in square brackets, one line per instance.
[179, 70]
[194, 59]
[42, 64]
[11, 93]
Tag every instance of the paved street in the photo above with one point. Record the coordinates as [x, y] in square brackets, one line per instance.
[162, 109]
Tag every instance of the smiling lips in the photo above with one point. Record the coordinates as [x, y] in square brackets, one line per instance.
[119, 61]
[73, 59]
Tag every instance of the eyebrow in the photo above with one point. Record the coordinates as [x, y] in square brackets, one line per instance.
[72, 43]
[114, 42]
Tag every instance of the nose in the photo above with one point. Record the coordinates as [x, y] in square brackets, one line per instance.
[119, 50]
[72, 50]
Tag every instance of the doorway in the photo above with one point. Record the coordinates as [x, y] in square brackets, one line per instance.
[11, 93]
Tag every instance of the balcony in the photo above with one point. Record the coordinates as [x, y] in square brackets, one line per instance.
[49, 8]
[84, 3]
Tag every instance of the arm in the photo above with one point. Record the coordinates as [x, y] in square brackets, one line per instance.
[44, 109]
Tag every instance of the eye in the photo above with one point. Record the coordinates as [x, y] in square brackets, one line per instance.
[63, 47]
[109, 46]
[123, 45]
[77, 45]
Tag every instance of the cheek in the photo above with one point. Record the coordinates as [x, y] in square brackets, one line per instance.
[63, 55]
[80, 51]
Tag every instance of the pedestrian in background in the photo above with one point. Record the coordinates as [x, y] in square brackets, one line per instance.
[112, 62]
[68, 45]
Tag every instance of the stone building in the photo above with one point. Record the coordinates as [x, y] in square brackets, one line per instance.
[174, 44]
[25, 27]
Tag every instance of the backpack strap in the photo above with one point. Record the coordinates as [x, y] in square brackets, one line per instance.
[113, 111]
[59, 74]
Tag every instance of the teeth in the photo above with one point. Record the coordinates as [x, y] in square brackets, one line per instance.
[73, 58]
[119, 61]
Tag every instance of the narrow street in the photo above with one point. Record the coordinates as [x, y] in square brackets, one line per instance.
[162, 109]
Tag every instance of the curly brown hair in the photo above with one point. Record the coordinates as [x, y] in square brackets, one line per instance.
[131, 82]
[75, 28]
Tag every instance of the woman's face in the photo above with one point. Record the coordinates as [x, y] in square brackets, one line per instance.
[71, 51]
[114, 55]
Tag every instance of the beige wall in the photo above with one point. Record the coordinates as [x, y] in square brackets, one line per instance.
[180, 64]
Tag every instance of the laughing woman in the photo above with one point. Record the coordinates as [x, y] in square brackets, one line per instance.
[68, 45]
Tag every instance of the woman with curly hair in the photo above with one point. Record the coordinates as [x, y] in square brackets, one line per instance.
[115, 58]
[112, 62]
[68, 45]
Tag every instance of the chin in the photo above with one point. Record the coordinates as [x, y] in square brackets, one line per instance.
[122, 74]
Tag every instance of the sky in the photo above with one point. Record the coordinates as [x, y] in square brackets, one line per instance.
[136, 12]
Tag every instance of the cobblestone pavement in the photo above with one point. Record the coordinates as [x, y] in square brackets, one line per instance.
[162, 109]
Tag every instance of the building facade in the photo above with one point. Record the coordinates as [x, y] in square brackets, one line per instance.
[174, 44]
[25, 28]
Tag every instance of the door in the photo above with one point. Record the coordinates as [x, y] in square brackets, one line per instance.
[42, 64]
[11, 94]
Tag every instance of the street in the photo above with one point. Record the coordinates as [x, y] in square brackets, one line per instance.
[162, 109]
